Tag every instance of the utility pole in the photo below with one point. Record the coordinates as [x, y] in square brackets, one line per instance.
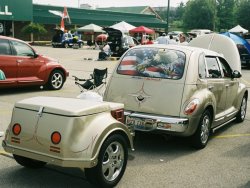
[168, 16]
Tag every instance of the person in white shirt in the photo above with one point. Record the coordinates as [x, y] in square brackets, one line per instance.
[172, 40]
[163, 39]
[105, 52]
[183, 39]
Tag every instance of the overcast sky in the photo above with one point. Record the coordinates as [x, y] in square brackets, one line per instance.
[110, 3]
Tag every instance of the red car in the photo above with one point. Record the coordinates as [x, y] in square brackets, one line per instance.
[22, 66]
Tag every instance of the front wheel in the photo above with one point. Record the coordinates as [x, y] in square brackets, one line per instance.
[27, 162]
[56, 80]
[242, 112]
[201, 136]
[112, 161]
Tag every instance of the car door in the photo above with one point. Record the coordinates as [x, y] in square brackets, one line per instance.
[231, 86]
[8, 63]
[216, 85]
[28, 67]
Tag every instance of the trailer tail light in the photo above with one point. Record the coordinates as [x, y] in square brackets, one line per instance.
[56, 137]
[118, 115]
[16, 129]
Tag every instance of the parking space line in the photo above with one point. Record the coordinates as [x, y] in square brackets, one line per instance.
[3, 153]
[232, 135]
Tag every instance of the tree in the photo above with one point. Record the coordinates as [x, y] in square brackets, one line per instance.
[225, 14]
[199, 14]
[243, 14]
[34, 29]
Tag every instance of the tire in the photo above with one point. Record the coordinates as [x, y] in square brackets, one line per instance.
[56, 80]
[240, 117]
[201, 136]
[29, 163]
[112, 162]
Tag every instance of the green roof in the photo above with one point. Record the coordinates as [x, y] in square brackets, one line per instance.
[137, 9]
[102, 18]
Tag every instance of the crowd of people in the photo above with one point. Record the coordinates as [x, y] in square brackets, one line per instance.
[164, 39]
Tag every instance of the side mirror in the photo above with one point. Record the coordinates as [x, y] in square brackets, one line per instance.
[236, 74]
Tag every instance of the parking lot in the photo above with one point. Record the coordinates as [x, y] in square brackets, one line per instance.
[156, 162]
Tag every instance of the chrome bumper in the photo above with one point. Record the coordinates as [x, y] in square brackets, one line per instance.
[155, 122]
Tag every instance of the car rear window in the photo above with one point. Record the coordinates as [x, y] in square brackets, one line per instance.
[153, 63]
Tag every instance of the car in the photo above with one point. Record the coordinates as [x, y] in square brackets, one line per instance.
[118, 42]
[177, 90]
[23, 66]
[71, 132]
[65, 40]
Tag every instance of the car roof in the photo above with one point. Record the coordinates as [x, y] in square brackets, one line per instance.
[11, 38]
[186, 49]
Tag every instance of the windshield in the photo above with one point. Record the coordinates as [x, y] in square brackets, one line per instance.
[153, 62]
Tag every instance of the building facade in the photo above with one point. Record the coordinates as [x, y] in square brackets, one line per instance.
[15, 14]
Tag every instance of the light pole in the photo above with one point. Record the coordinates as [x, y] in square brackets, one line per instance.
[168, 16]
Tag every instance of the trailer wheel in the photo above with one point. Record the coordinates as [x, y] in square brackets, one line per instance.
[29, 163]
[112, 162]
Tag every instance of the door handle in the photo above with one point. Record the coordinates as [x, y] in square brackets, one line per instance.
[19, 61]
[227, 85]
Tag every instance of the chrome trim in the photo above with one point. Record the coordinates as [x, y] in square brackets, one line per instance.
[214, 129]
[175, 124]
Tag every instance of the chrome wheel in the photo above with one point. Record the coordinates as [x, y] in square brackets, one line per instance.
[113, 161]
[204, 134]
[201, 135]
[243, 108]
[242, 111]
[56, 80]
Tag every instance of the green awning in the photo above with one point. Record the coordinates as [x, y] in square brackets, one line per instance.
[102, 18]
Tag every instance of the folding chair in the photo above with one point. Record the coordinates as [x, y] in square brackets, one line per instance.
[96, 81]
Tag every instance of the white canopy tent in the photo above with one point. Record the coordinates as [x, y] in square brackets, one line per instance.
[124, 27]
[91, 28]
[238, 29]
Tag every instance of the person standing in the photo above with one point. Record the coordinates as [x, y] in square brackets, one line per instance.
[172, 40]
[183, 39]
[150, 40]
[163, 39]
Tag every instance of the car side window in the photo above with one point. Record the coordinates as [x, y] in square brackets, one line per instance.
[202, 67]
[5, 47]
[213, 67]
[227, 71]
[22, 49]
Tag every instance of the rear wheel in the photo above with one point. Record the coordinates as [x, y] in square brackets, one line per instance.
[27, 162]
[56, 80]
[112, 161]
[201, 136]
[242, 112]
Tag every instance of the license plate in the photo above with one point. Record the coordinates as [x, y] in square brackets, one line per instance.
[140, 124]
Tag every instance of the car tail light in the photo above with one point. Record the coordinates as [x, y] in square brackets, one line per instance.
[191, 107]
[56, 137]
[118, 115]
[16, 129]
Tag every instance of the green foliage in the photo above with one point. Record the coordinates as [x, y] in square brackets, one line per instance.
[199, 14]
[34, 28]
[225, 14]
[243, 14]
